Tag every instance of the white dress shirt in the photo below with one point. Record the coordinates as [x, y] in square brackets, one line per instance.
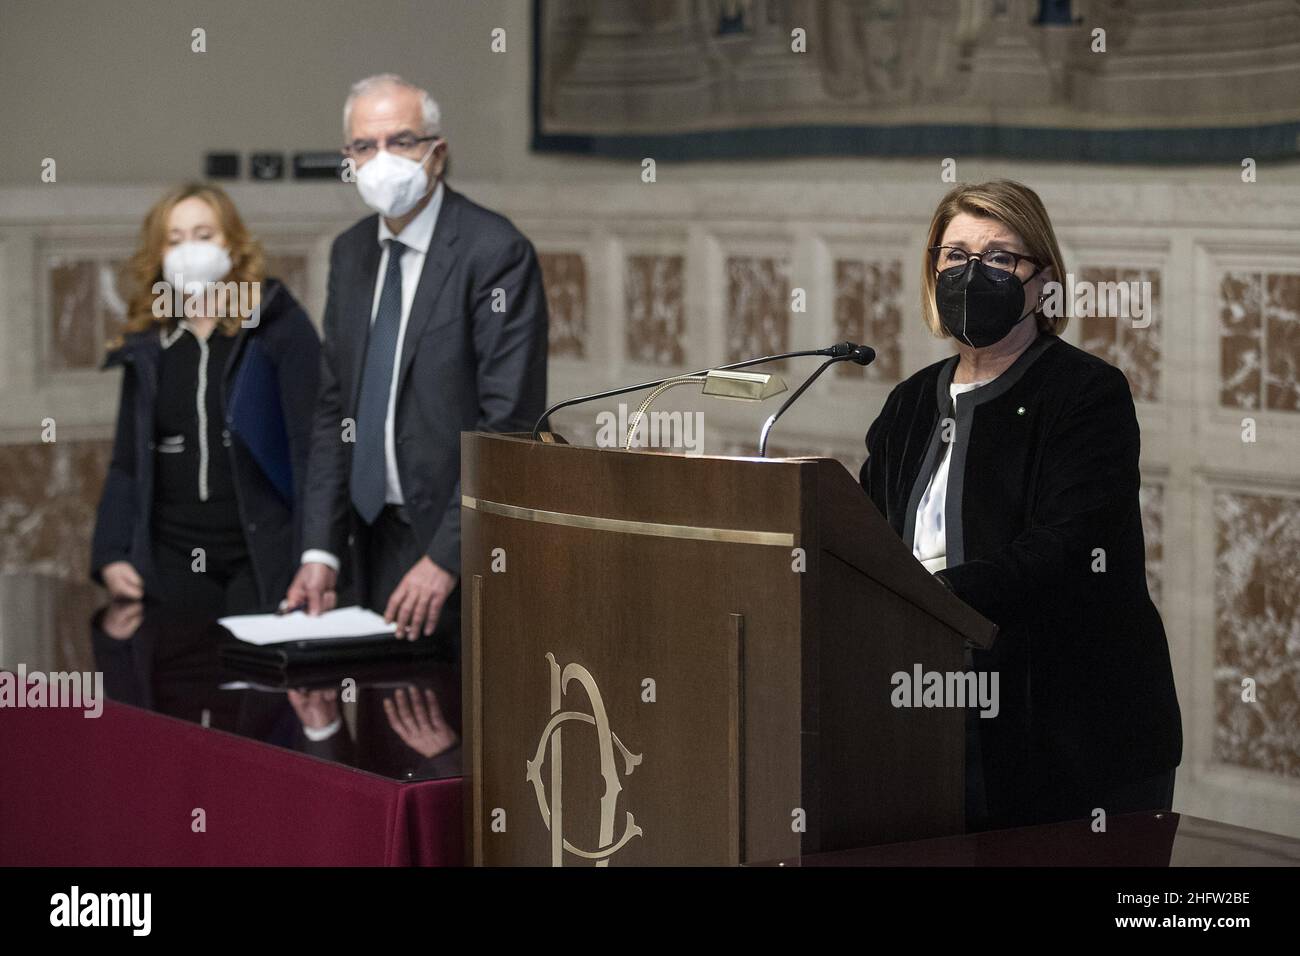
[416, 236]
[930, 537]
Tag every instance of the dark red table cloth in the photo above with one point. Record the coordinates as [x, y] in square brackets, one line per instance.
[121, 790]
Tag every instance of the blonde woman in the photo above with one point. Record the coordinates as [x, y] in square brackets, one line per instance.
[220, 366]
[1011, 469]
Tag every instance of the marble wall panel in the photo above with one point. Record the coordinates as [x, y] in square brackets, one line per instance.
[1119, 339]
[1257, 631]
[86, 309]
[565, 277]
[1281, 323]
[654, 297]
[757, 307]
[867, 310]
[1259, 341]
[49, 493]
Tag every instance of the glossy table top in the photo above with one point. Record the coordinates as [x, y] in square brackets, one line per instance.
[399, 719]
[403, 722]
[1135, 839]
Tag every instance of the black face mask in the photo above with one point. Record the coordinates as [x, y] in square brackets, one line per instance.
[978, 304]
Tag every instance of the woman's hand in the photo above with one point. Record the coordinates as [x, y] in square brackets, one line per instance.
[122, 619]
[123, 581]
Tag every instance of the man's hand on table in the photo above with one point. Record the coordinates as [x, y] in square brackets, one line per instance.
[312, 589]
[417, 601]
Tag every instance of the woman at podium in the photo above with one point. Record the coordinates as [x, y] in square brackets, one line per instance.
[220, 366]
[1011, 469]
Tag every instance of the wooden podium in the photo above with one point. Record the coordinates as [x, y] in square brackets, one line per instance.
[688, 660]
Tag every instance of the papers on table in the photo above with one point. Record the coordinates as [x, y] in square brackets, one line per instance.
[262, 629]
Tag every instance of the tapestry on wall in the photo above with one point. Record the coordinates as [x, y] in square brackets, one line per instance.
[1149, 81]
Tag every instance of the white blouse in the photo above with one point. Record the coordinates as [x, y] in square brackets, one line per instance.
[929, 540]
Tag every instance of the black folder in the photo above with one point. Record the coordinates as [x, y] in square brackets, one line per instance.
[290, 658]
[254, 413]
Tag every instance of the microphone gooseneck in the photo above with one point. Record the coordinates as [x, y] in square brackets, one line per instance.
[837, 352]
[844, 352]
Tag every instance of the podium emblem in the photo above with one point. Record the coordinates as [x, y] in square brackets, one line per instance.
[607, 741]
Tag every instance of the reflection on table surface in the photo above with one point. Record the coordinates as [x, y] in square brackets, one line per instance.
[1133, 839]
[399, 719]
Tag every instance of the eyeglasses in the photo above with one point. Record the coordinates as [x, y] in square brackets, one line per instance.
[951, 257]
[403, 144]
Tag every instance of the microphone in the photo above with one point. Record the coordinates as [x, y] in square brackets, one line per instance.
[844, 352]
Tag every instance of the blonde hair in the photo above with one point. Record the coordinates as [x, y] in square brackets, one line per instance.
[1017, 207]
[144, 268]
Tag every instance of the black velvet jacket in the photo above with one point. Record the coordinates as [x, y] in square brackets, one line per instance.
[272, 526]
[1043, 488]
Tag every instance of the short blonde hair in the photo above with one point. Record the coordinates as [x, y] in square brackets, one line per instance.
[1016, 206]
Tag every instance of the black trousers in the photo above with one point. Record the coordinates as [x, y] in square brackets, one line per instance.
[383, 553]
[226, 585]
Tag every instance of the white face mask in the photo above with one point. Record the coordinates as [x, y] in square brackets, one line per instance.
[195, 263]
[393, 185]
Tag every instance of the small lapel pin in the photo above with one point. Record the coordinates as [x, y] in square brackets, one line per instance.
[1020, 410]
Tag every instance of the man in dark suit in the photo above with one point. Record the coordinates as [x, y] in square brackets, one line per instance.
[435, 323]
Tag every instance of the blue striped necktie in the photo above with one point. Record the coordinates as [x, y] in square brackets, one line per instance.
[369, 469]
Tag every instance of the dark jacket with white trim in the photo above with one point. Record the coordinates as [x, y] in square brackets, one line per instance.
[1043, 487]
[272, 526]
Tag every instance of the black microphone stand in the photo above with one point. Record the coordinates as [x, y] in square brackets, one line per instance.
[841, 351]
[862, 354]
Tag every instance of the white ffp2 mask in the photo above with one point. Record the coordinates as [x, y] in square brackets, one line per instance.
[392, 185]
[197, 261]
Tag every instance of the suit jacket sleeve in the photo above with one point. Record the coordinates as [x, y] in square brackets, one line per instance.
[298, 370]
[325, 495]
[116, 518]
[509, 331]
[1089, 481]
